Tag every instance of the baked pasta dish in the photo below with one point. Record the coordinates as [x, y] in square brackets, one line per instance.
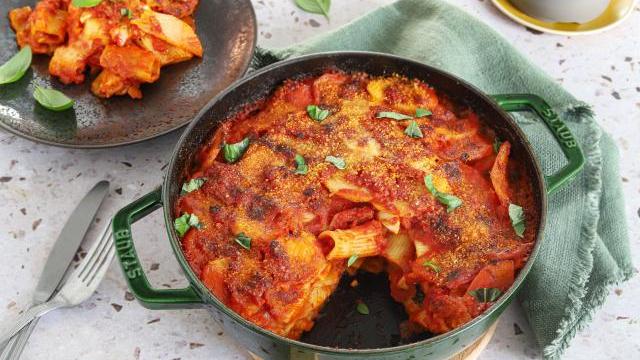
[123, 42]
[342, 172]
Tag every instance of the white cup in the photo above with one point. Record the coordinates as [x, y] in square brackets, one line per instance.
[579, 11]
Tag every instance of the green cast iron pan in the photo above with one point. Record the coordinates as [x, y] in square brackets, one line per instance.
[227, 30]
[340, 333]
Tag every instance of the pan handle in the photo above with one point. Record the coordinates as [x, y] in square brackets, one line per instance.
[568, 144]
[148, 296]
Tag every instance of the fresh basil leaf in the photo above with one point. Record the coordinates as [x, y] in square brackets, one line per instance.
[52, 99]
[516, 214]
[496, 144]
[393, 115]
[194, 221]
[452, 202]
[183, 223]
[243, 240]
[336, 161]
[85, 3]
[420, 112]
[315, 6]
[233, 152]
[192, 185]
[316, 113]
[432, 264]
[126, 12]
[362, 308]
[352, 260]
[301, 166]
[16, 67]
[485, 295]
[413, 130]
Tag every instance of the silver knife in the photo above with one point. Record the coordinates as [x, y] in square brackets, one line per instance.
[59, 259]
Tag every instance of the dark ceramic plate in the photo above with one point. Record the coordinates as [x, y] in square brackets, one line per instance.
[227, 29]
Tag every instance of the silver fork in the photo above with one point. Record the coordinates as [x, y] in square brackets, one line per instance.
[79, 286]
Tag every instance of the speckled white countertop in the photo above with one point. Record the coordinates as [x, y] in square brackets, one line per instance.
[40, 185]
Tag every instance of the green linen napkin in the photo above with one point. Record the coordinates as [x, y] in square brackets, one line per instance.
[585, 248]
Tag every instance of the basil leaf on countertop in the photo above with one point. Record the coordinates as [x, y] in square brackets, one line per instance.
[192, 185]
[336, 161]
[183, 223]
[432, 264]
[52, 99]
[451, 201]
[420, 112]
[16, 67]
[393, 115]
[233, 152]
[243, 240]
[85, 3]
[352, 260]
[485, 295]
[413, 130]
[316, 113]
[516, 214]
[301, 165]
[362, 308]
[315, 6]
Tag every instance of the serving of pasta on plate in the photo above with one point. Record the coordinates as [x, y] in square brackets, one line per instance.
[123, 43]
[346, 172]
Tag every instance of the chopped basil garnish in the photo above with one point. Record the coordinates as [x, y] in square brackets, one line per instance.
[393, 115]
[352, 260]
[194, 221]
[243, 240]
[516, 213]
[496, 144]
[485, 295]
[193, 184]
[336, 161]
[413, 130]
[126, 12]
[16, 67]
[301, 165]
[52, 99]
[185, 222]
[233, 152]
[451, 201]
[420, 112]
[181, 224]
[362, 308]
[317, 113]
[86, 3]
[432, 264]
[315, 6]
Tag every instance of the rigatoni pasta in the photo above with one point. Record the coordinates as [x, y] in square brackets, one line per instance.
[124, 42]
[362, 240]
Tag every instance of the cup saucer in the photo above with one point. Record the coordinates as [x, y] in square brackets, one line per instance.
[617, 12]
